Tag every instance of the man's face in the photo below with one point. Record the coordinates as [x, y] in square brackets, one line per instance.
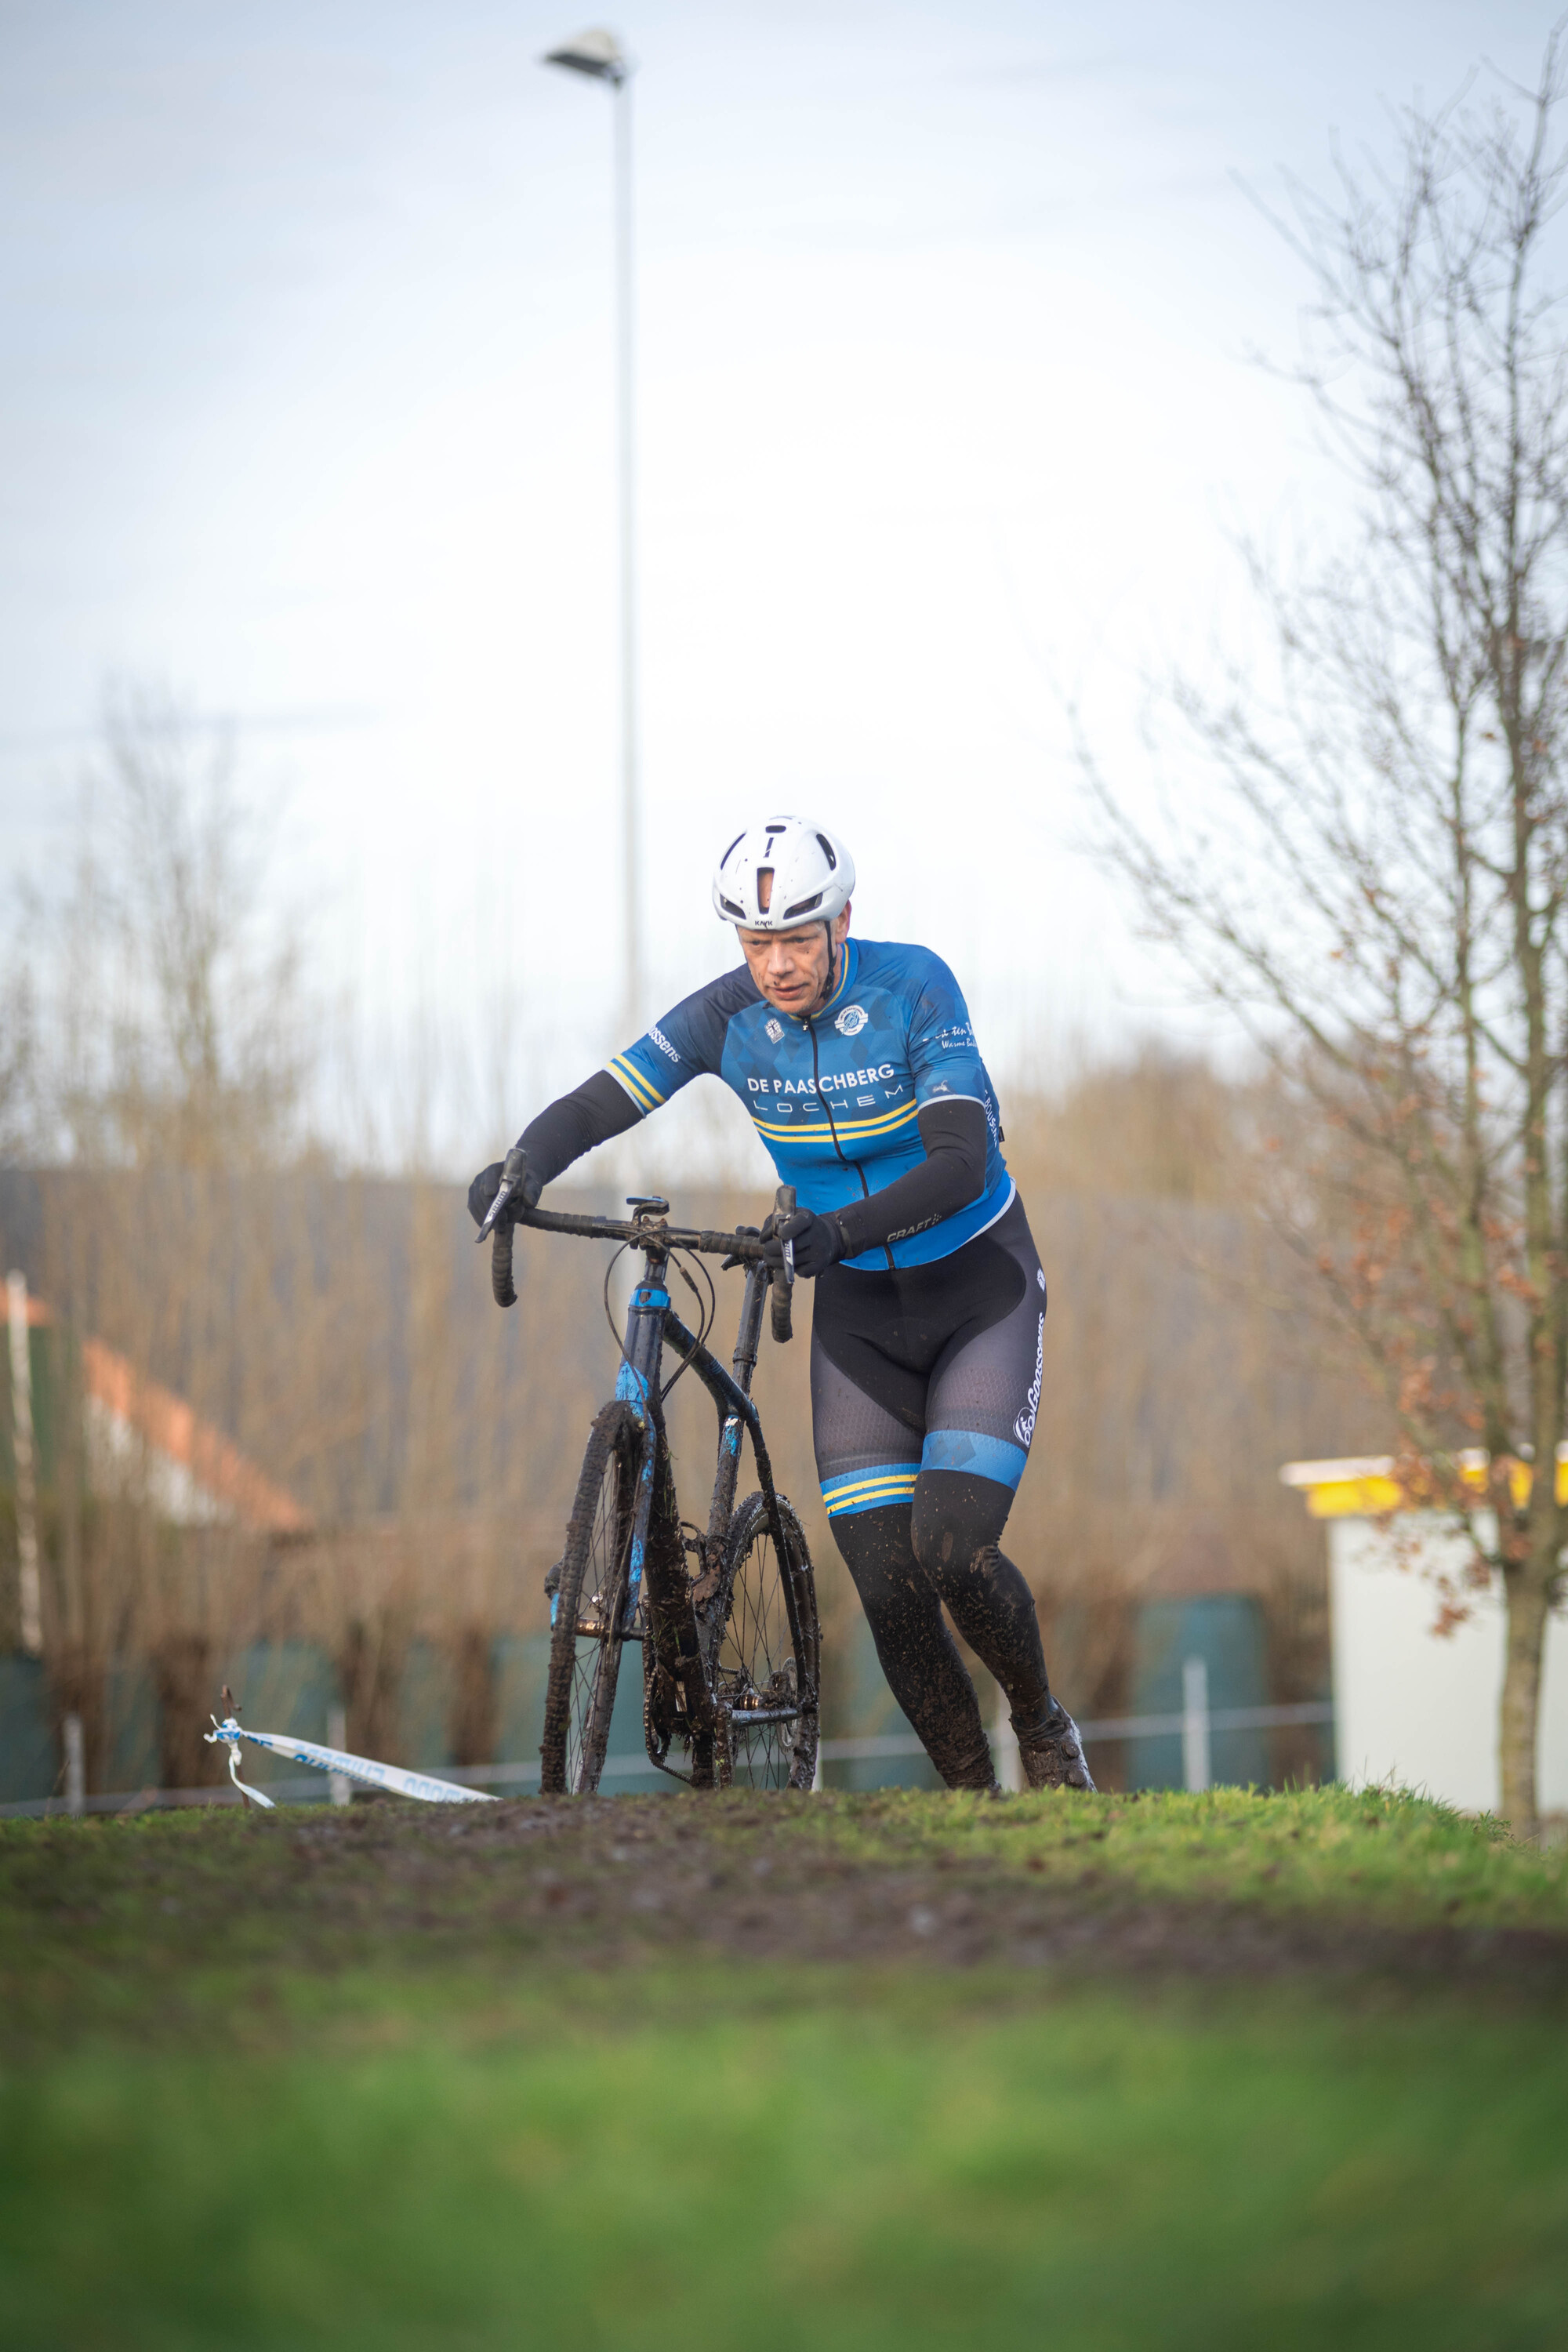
[793, 969]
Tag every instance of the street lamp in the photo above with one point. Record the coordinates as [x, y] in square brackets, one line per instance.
[600, 56]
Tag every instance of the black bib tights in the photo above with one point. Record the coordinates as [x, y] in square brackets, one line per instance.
[914, 1374]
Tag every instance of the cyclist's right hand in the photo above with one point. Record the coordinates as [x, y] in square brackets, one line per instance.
[487, 1184]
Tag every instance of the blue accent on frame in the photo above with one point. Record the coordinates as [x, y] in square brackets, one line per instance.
[649, 1300]
[981, 1457]
[631, 1386]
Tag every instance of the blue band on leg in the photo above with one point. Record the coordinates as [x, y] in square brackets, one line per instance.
[869, 1490]
[981, 1457]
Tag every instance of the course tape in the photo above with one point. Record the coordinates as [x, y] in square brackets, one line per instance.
[363, 1768]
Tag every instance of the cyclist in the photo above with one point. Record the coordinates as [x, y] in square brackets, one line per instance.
[858, 1066]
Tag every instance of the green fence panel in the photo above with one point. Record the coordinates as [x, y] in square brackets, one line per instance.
[131, 1726]
[858, 1705]
[287, 1687]
[1226, 1630]
[425, 1708]
[519, 1662]
[29, 1751]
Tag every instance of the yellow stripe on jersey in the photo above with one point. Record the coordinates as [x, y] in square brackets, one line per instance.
[853, 1131]
[632, 1078]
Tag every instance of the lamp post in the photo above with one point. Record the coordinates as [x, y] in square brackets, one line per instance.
[599, 55]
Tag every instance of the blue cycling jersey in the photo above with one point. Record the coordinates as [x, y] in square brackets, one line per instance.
[835, 1099]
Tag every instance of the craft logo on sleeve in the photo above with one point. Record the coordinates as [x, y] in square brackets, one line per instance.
[851, 1021]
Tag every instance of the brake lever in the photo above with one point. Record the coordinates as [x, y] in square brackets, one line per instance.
[511, 1175]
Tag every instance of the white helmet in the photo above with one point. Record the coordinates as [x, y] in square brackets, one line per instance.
[811, 875]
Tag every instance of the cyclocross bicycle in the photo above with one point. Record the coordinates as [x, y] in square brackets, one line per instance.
[726, 1618]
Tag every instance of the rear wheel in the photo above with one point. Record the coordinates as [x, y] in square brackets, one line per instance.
[585, 1641]
[765, 1669]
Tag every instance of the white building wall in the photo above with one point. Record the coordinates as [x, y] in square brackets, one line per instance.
[1420, 1708]
[120, 1461]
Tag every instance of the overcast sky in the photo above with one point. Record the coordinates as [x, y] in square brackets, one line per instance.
[944, 408]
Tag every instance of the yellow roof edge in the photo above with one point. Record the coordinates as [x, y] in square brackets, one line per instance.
[1364, 1486]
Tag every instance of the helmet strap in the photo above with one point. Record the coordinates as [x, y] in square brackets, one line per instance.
[832, 969]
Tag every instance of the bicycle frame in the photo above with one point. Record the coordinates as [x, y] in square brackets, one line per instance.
[652, 1324]
[679, 1629]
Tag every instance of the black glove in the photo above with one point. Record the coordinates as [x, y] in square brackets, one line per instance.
[487, 1184]
[818, 1241]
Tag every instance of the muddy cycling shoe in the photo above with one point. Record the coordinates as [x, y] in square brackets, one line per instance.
[1052, 1753]
[966, 1772]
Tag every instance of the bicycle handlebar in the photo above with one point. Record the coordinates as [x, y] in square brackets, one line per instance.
[616, 1229]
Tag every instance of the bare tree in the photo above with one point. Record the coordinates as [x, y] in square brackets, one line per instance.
[18, 1065]
[1378, 884]
[177, 1030]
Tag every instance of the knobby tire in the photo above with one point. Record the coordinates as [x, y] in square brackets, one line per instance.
[764, 1651]
[586, 1643]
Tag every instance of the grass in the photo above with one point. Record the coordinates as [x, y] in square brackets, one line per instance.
[892, 2071]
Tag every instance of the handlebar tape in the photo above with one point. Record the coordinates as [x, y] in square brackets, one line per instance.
[503, 1289]
[782, 1294]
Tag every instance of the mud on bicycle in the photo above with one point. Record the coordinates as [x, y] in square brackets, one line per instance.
[724, 1618]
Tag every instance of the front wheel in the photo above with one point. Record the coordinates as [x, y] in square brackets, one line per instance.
[766, 1653]
[586, 1638]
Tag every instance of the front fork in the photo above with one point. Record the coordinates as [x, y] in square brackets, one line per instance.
[676, 1688]
[678, 1684]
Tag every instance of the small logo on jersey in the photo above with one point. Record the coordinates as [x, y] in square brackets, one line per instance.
[941, 1087]
[851, 1021]
[662, 1042]
[1023, 1427]
[1039, 1278]
[773, 1030]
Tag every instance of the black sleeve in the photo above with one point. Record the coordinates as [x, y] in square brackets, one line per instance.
[590, 1114]
[951, 1175]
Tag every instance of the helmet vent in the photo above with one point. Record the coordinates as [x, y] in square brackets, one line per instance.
[731, 909]
[827, 848]
[801, 906]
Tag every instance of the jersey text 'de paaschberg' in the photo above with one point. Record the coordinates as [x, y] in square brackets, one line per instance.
[835, 1099]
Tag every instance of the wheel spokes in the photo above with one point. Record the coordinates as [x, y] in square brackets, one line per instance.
[595, 1656]
[757, 1669]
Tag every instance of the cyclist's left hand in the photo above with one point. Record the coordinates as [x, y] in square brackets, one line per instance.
[818, 1241]
[487, 1184]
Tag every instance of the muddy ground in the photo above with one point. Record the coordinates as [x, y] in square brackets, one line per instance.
[604, 1882]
